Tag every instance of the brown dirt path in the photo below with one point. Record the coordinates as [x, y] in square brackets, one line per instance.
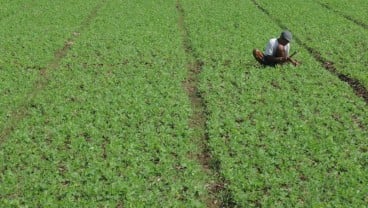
[358, 87]
[198, 122]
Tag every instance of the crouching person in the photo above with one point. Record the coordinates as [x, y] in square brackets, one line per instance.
[277, 51]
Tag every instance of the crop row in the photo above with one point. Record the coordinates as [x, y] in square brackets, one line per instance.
[111, 126]
[285, 136]
[336, 38]
[28, 41]
[355, 10]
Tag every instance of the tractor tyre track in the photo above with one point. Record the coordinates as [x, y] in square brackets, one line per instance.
[218, 195]
[21, 111]
[359, 88]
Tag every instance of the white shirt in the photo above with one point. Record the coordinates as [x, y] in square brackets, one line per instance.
[272, 46]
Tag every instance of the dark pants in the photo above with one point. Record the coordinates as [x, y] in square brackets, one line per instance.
[268, 63]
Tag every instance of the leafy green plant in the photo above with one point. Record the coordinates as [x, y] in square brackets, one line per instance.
[277, 132]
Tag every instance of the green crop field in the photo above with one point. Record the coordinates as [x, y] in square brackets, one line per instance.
[117, 103]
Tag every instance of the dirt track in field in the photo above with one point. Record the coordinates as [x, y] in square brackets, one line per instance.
[358, 87]
[20, 112]
[218, 195]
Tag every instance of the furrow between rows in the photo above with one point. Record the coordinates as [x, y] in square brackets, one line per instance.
[353, 20]
[359, 88]
[198, 120]
[20, 112]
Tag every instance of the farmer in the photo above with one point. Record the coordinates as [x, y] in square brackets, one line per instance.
[277, 51]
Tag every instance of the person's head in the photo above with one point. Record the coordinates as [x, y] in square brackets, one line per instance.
[285, 37]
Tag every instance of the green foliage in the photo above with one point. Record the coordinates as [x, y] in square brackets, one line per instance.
[110, 125]
[31, 33]
[284, 136]
[338, 39]
[110, 128]
[355, 10]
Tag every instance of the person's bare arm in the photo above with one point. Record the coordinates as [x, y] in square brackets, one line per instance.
[293, 61]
